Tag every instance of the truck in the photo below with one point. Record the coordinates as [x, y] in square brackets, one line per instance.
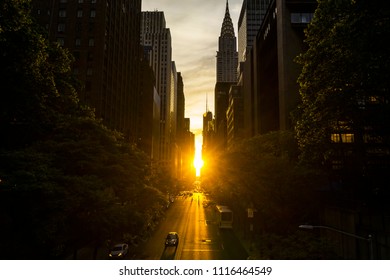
[224, 216]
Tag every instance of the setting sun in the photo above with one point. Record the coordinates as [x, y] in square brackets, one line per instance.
[198, 161]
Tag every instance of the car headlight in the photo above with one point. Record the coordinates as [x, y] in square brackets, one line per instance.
[120, 255]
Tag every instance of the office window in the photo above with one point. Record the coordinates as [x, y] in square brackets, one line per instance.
[89, 72]
[80, 13]
[78, 42]
[301, 17]
[337, 164]
[63, 1]
[81, 1]
[93, 13]
[62, 13]
[61, 27]
[93, 1]
[91, 42]
[342, 138]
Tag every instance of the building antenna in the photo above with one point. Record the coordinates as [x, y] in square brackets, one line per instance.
[207, 106]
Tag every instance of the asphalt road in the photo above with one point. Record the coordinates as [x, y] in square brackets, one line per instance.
[199, 236]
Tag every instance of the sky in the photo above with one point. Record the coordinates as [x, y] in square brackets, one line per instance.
[195, 27]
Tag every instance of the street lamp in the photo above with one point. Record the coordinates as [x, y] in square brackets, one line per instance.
[369, 239]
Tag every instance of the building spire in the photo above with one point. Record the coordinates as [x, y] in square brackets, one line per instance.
[227, 29]
[207, 103]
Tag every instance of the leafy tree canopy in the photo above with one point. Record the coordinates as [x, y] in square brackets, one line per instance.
[264, 173]
[66, 180]
[345, 69]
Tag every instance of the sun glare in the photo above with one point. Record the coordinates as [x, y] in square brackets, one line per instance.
[198, 161]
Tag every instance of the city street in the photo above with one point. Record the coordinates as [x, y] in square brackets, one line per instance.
[199, 236]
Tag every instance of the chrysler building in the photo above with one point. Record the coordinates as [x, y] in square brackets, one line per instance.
[227, 55]
[227, 61]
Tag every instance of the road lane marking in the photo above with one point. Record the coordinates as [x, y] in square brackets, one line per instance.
[200, 250]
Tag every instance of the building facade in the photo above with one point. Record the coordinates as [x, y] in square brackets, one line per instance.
[235, 117]
[103, 37]
[155, 35]
[149, 113]
[251, 16]
[188, 153]
[208, 134]
[279, 41]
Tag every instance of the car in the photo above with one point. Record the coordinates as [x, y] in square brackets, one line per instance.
[172, 239]
[119, 250]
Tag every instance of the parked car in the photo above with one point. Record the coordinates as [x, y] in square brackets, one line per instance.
[172, 239]
[119, 250]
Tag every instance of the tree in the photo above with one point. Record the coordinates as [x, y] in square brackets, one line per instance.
[263, 173]
[344, 84]
[66, 180]
[35, 78]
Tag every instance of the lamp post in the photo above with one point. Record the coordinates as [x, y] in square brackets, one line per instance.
[368, 239]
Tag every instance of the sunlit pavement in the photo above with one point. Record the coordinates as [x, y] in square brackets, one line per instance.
[200, 237]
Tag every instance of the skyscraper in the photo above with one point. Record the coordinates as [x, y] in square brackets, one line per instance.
[226, 68]
[250, 20]
[154, 34]
[103, 37]
[227, 56]
[251, 17]
[149, 113]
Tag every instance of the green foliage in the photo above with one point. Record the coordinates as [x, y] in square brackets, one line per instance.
[37, 86]
[344, 69]
[264, 173]
[66, 181]
[297, 245]
[71, 190]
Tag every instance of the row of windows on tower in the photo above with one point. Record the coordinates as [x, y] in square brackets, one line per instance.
[80, 1]
[61, 28]
[76, 71]
[79, 14]
[78, 41]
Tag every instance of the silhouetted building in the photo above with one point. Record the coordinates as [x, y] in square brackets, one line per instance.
[103, 36]
[174, 147]
[189, 171]
[356, 198]
[155, 34]
[149, 113]
[180, 126]
[251, 16]
[208, 134]
[275, 73]
[180, 111]
[235, 117]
